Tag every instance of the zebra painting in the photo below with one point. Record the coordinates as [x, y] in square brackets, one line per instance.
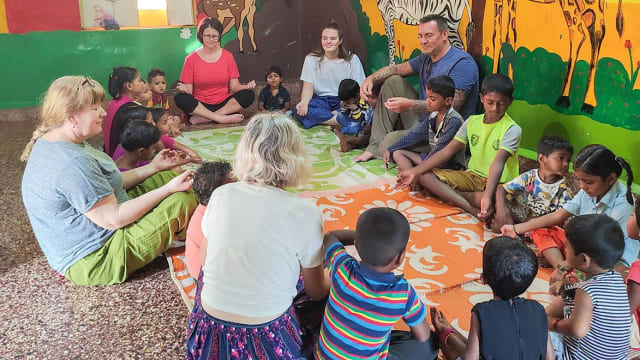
[411, 11]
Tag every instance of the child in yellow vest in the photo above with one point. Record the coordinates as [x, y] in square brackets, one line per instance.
[493, 138]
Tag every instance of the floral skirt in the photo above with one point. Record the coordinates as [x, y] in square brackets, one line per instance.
[212, 338]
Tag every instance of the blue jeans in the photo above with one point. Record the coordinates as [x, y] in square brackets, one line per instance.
[320, 109]
[349, 126]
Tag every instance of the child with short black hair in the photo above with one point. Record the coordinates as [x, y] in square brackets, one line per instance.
[140, 140]
[158, 84]
[166, 125]
[592, 315]
[542, 190]
[274, 96]
[507, 327]
[493, 139]
[366, 298]
[208, 177]
[439, 129]
[354, 117]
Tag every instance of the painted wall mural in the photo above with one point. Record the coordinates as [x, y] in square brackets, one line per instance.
[232, 14]
[574, 63]
[411, 11]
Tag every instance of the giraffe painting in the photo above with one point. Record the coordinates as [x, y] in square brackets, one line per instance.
[232, 13]
[584, 20]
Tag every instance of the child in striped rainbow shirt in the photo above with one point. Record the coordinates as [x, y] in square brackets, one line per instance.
[367, 299]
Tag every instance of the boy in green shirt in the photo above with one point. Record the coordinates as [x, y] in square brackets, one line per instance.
[493, 138]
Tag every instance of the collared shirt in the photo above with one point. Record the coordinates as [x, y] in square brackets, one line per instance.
[438, 137]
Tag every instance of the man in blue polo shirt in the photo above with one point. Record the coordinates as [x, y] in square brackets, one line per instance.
[399, 102]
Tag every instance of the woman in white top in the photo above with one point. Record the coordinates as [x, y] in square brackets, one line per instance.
[322, 72]
[258, 239]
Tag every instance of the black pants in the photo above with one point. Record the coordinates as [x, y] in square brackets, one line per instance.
[187, 103]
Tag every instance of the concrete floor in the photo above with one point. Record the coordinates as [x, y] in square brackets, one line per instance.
[42, 315]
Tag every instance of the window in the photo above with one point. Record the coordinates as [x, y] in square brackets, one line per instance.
[114, 14]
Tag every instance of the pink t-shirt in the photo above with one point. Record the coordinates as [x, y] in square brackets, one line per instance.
[210, 80]
[193, 242]
[634, 275]
[107, 124]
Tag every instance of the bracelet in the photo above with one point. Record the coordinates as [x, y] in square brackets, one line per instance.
[444, 335]
[447, 338]
[514, 230]
[554, 325]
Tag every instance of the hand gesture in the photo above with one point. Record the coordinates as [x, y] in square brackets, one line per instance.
[302, 108]
[508, 230]
[406, 178]
[251, 84]
[165, 160]
[398, 104]
[486, 208]
[386, 158]
[366, 89]
[182, 182]
[182, 88]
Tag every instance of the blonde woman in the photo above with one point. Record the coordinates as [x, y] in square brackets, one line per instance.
[258, 239]
[94, 224]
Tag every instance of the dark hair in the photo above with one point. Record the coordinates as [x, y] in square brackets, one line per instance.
[597, 160]
[342, 52]
[209, 22]
[497, 83]
[119, 78]
[442, 85]
[598, 236]
[549, 144]
[348, 89]
[125, 114]
[139, 134]
[156, 113]
[439, 19]
[381, 235]
[508, 266]
[273, 69]
[153, 73]
[208, 177]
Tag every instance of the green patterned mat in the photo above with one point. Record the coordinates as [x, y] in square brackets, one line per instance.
[332, 169]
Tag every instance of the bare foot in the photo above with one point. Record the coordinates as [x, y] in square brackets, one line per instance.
[195, 120]
[344, 144]
[365, 156]
[230, 119]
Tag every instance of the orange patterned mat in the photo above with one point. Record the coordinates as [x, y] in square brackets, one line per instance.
[443, 260]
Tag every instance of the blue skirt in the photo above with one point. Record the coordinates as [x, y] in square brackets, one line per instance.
[215, 339]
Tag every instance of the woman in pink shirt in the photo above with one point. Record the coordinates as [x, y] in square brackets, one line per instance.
[209, 89]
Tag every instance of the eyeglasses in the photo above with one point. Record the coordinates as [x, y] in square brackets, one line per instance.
[211, 37]
[88, 80]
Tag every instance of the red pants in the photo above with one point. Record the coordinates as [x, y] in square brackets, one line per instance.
[546, 238]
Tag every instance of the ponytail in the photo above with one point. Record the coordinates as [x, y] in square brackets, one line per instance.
[625, 165]
[119, 78]
[597, 160]
[37, 133]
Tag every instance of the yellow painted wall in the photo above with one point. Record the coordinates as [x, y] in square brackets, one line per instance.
[4, 29]
[543, 25]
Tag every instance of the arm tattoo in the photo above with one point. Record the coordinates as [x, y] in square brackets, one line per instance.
[384, 73]
[420, 107]
[459, 99]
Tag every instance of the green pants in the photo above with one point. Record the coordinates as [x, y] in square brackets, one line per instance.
[138, 243]
[386, 121]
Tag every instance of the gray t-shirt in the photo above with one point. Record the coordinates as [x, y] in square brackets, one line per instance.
[61, 182]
